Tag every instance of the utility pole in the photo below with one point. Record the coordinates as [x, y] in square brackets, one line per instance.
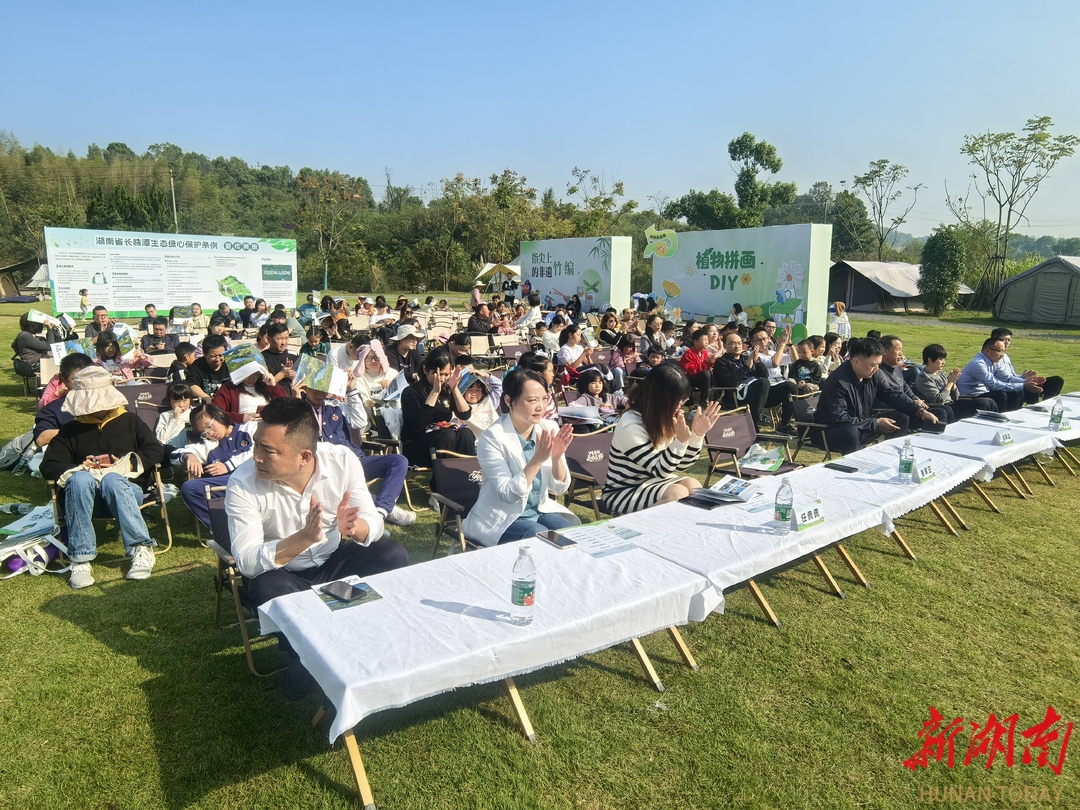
[172, 186]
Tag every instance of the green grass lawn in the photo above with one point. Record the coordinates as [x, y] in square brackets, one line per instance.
[126, 696]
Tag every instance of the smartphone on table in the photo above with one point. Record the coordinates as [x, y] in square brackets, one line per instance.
[344, 591]
[556, 539]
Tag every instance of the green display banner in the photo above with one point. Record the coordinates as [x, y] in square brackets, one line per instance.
[779, 272]
[596, 270]
[125, 271]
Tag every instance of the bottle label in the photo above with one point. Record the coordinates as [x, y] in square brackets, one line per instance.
[522, 594]
[907, 466]
[783, 513]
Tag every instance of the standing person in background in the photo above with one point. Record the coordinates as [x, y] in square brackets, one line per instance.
[84, 302]
[737, 315]
[477, 295]
[653, 444]
[523, 458]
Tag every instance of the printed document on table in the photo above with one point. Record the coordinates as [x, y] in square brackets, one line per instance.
[601, 540]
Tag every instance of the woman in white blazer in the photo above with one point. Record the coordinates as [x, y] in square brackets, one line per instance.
[522, 457]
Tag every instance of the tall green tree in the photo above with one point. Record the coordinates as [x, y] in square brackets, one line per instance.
[1010, 168]
[881, 186]
[942, 268]
[755, 196]
[330, 208]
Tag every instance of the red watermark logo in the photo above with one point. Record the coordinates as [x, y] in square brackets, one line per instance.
[1046, 741]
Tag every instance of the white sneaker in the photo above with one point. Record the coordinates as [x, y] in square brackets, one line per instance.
[81, 576]
[142, 562]
[401, 517]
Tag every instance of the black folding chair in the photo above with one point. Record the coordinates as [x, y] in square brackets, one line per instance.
[732, 435]
[587, 457]
[228, 574]
[457, 481]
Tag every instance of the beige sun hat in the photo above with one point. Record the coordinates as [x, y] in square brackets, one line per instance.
[407, 330]
[92, 391]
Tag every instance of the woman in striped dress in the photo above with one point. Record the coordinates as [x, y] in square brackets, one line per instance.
[652, 444]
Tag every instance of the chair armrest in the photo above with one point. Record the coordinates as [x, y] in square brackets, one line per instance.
[453, 505]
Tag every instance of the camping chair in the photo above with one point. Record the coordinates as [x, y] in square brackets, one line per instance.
[154, 495]
[601, 357]
[227, 573]
[380, 441]
[514, 352]
[731, 436]
[587, 457]
[457, 479]
[804, 407]
[726, 395]
[152, 393]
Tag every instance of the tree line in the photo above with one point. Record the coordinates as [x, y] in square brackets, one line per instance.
[440, 235]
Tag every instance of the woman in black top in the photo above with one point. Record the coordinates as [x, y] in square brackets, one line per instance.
[29, 347]
[428, 405]
[609, 329]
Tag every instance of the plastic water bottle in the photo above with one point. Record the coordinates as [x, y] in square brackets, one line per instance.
[21, 466]
[785, 501]
[907, 462]
[523, 588]
[16, 508]
[1057, 415]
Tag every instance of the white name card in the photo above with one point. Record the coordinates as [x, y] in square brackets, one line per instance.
[807, 515]
[924, 471]
[1003, 437]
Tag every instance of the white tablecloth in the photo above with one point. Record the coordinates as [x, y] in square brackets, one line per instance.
[443, 624]
[976, 441]
[897, 498]
[730, 545]
[1029, 418]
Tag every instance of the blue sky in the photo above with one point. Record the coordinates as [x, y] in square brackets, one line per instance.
[649, 94]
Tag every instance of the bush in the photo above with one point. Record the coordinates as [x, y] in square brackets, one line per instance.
[942, 267]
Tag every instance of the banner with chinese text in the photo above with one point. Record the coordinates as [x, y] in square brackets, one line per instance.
[596, 270]
[126, 271]
[780, 272]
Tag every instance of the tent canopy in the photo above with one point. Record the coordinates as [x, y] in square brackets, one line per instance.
[40, 279]
[509, 270]
[878, 286]
[1047, 293]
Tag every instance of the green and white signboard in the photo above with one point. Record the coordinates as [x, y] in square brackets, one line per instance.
[126, 271]
[780, 272]
[596, 270]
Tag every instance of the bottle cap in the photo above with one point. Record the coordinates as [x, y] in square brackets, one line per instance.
[526, 551]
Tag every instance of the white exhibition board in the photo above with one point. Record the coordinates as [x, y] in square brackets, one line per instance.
[780, 272]
[597, 270]
[125, 271]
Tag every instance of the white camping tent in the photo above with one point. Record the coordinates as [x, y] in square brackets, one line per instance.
[878, 286]
[40, 279]
[495, 274]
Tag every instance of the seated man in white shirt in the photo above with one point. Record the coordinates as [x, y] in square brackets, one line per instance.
[300, 514]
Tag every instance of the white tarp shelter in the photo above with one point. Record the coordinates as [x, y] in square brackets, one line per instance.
[1047, 293]
[878, 286]
[508, 270]
[40, 279]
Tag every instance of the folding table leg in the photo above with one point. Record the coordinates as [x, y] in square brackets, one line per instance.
[903, 546]
[850, 563]
[1065, 451]
[759, 597]
[820, 563]
[1045, 474]
[954, 513]
[985, 497]
[519, 709]
[320, 713]
[646, 665]
[359, 773]
[684, 651]
[1022, 480]
[944, 521]
[1012, 484]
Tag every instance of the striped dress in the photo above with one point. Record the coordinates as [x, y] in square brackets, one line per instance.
[638, 472]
